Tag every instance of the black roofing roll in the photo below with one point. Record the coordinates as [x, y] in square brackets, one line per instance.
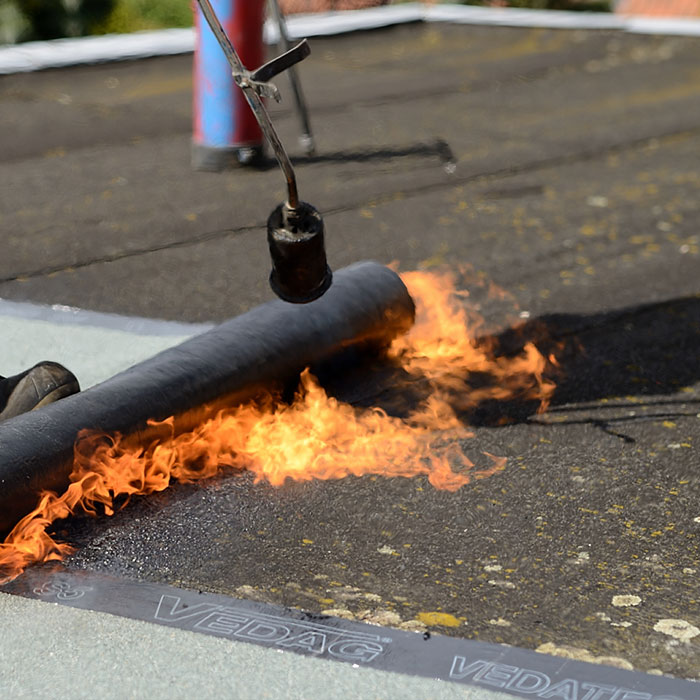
[367, 305]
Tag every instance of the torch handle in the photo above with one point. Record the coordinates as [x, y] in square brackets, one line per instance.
[247, 84]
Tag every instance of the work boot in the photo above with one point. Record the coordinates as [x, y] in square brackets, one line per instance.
[44, 383]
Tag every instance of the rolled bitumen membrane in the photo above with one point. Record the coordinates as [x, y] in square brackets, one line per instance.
[365, 308]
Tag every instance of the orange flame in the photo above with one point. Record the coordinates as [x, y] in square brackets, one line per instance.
[443, 347]
[314, 437]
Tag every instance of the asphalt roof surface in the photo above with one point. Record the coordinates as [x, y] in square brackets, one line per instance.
[562, 165]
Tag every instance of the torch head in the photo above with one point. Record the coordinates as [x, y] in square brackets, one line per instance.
[300, 272]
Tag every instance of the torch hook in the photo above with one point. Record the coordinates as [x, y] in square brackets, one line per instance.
[255, 85]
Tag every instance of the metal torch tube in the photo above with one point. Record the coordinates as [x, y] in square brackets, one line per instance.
[255, 102]
[307, 137]
[368, 305]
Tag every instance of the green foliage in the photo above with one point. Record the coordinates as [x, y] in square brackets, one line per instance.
[134, 15]
[51, 19]
[13, 25]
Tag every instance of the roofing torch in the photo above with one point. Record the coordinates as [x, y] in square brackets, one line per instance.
[295, 231]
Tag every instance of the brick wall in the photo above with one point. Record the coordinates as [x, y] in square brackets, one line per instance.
[659, 8]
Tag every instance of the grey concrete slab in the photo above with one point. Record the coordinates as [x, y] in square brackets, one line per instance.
[50, 651]
[94, 346]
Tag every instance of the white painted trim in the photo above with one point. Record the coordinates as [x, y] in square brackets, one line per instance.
[37, 55]
[688, 26]
[514, 17]
[33, 56]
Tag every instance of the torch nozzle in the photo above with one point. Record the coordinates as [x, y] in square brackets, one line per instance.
[295, 235]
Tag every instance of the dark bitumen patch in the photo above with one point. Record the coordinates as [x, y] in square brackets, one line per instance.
[514, 671]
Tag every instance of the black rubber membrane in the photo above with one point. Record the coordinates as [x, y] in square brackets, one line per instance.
[521, 673]
[269, 345]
